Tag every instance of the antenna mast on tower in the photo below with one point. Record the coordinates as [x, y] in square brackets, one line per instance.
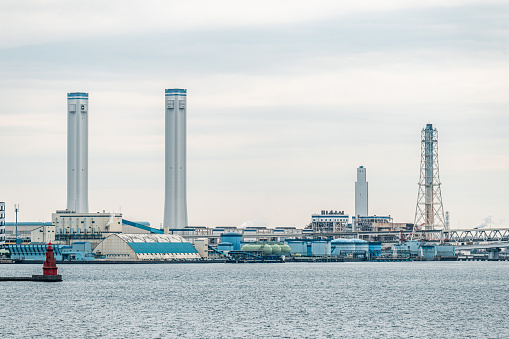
[429, 212]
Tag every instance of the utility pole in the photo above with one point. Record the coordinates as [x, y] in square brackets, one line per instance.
[16, 209]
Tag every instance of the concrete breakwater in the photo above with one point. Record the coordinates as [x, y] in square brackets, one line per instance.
[47, 278]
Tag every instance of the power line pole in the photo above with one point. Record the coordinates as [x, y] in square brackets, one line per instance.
[16, 209]
[429, 211]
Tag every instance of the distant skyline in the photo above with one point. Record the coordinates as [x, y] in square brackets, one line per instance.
[285, 101]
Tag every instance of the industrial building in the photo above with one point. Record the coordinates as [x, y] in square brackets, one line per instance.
[2, 224]
[79, 251]
[146, 247]
[71, 226]
[175, 205]
[424, 250]
[349, 247]
[77, 152]
[361, 193]
[25, 229]
[340, 248]
[309, 247]
[329, 222]
[372, 223]
[36, 231]
[70, 222]
[43, 234]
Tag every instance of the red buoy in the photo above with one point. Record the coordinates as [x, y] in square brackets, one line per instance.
[50, 264]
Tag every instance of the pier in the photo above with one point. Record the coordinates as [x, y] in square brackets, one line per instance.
[49, 269]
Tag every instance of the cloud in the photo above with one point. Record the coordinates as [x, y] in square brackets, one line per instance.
[39, 22]
[281, 110]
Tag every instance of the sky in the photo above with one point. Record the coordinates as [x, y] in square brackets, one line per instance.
[285, 100]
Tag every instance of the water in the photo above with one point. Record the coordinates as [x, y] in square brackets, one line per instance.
[292, 300]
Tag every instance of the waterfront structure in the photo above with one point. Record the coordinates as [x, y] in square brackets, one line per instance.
[341, 247]
[77, 152]
[146, 247]
[329, 222]
[267, 248]
[309, 247]
[2, 224]
[424, 250]
[361, 193]
[175, 205]
[33, 251]
[429, 211]
[79, 251]
[350, 247]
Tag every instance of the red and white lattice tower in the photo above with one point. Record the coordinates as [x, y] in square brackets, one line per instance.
[429, 212]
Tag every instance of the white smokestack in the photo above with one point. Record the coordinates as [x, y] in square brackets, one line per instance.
[77, 152]
[175, 205]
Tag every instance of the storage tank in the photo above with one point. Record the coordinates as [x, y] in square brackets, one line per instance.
[267, 249]
[298, 247]
[276, 249]
[233, 238]
[375, 248]
[251, 247]
[361, 245]
[320, 248]
[343, 246]
[285, 249]
[225, 246]
[338, 245]
[446, 250]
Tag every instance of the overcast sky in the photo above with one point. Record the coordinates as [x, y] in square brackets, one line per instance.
[285, 100]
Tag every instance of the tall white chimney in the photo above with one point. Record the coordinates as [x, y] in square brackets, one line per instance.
[77, 152]
[175, 205]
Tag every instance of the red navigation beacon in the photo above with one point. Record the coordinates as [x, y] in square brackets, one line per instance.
[50, 264]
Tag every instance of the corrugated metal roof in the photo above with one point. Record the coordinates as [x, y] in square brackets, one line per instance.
[151, 238]
[162, 247]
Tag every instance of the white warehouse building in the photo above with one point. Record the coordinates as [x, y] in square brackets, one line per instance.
[146, 247]
[329, 221]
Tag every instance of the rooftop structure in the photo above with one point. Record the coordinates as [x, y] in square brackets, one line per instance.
[175, 205]
[77, 152]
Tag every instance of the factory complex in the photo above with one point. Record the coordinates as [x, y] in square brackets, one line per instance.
[174, 247]
[82, 236]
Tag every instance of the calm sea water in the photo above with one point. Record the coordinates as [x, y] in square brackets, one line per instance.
[301, 300]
